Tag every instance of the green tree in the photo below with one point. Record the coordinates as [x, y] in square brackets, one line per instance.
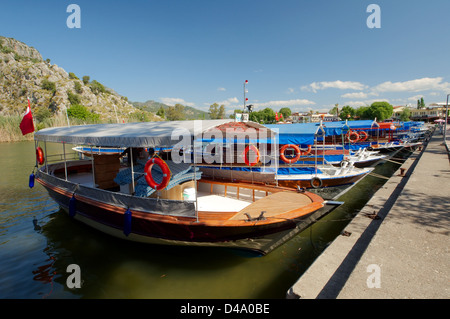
[362, 112]
[48, 85]
[334, 110]
[214, 111]
[422, 103]
[78, 111]
[78, 87]
[222, 112]
[285, 111]
[73, 98]
[380, 111]
[265, 116]
[97, 87]
[73, 76]
[405, 115]
[42, 113]
[176, 113]
[347, 113]
[86, 79]
[161, 112]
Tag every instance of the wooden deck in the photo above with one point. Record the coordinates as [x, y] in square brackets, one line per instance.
[274, 204]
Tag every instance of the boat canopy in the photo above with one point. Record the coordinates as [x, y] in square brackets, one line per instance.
[342, 125]
[141, 134]
[297, 133]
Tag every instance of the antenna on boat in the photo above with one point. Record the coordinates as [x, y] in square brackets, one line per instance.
[245, 91]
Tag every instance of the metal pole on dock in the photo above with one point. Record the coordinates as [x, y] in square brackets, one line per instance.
[446, 119]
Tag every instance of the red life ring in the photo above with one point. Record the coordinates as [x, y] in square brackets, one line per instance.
[148, 173]
[290, 160]
[349, 136]
[365, 136]
[40, 155]
[247, 149]
[308, 150]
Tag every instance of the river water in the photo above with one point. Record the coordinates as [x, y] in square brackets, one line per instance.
[38, 242]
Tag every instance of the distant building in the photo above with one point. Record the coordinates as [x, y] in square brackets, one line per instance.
[315, 117]
[398, 111]
[435, 111]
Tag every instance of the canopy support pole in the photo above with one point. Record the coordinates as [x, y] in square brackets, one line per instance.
[132, 171]
[93, 168]
[46, 157]
[65, 162]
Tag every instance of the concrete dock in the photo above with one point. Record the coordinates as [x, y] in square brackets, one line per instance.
[398, 247]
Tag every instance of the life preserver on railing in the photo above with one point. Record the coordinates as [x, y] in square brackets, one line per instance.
[40, 155]
[283, 157]
[148, 173]
[352, 136]
[316, 182]
[254, 149]
[363, 136]
[308, 150]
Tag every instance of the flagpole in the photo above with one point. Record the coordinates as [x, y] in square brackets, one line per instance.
[67, 116]
[32, 119]
[27, 123]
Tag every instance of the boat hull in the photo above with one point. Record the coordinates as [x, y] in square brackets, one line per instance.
[146, 227]
[306, 182]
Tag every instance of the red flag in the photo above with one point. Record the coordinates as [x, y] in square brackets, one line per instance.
[276, 116]
[27, 126]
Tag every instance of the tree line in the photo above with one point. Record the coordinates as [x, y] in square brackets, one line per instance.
[378, 110]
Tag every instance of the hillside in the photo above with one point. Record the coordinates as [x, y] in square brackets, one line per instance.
[25, 74]
[153, 107]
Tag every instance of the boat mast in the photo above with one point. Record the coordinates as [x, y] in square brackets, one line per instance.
[245, 91]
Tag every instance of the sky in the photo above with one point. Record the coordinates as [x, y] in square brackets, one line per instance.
[301, 54]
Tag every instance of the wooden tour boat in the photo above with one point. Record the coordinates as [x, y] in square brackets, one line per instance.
[155, 199]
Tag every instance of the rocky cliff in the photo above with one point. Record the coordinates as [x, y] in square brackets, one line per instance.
[24, 74]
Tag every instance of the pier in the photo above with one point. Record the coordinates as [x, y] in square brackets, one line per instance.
[397, 246]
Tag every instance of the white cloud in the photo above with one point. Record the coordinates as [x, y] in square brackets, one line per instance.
[356, 95]
[357, 104]
[417, 85]
[290, 90]
[415, 97]
[341, 85]
[228, 102]
[173, 100]
[221, 89]
[285, 103]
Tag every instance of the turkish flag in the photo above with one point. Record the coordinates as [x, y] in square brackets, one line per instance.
[27, 126]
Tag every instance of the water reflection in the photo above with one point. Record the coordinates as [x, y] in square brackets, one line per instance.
[34, 261]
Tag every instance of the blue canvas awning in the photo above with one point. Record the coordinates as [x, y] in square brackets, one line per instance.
[297, 133]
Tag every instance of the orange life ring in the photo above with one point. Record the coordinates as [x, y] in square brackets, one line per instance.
[350, 134]
[365, 136]
[148, 173]
[308, 150]
[290, 160]
[40, 155]
[247, 149]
